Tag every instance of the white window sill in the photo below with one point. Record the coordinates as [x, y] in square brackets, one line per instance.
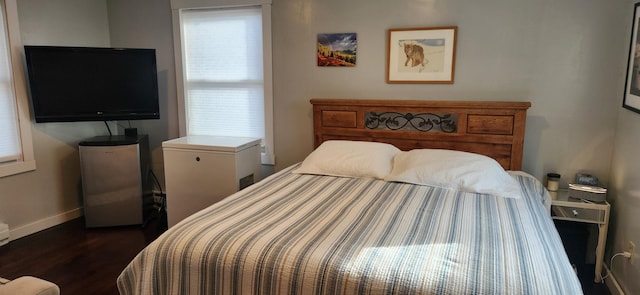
[14, 168]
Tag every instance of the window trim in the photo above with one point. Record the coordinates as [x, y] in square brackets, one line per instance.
[268, 156]
[27, 161]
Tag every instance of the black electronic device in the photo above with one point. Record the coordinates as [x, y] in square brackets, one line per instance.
[131, 131]
[70, 84]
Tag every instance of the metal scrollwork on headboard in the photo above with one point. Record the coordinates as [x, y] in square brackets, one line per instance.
[425, 122]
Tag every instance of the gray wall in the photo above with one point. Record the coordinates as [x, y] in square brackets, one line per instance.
[567, 57]
[39, 199]
[624, 196]
[556, 54]
[624, 183]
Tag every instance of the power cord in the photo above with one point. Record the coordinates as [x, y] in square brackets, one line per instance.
[109, 129]
[161, 205]
[625, 254]
[163, 198]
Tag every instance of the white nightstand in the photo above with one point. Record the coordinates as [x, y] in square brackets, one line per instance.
[565, 208]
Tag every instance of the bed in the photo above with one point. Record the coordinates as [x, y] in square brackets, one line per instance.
[399, 197]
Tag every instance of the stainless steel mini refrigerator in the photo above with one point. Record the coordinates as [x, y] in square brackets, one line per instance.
[115, 172]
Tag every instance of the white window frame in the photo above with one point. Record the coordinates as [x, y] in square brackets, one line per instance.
[27, 161]
[268, 156]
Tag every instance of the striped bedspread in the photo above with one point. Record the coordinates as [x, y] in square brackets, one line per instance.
[304, 234]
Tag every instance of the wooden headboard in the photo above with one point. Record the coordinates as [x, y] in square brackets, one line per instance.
[494, 129]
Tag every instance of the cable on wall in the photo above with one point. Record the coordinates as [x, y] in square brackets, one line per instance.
[625, 254]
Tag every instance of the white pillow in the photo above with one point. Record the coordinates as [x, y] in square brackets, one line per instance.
[350, 159]
[449, 169]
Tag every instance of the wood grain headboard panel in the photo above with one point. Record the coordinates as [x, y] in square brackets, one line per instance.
[494, 129]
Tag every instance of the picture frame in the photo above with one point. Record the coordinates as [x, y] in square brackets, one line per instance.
[421, 55]
[337, 50]
[631, 100]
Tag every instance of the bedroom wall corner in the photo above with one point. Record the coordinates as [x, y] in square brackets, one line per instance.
[624, 184]
[147, 24]
[624, 197]
[51, 195]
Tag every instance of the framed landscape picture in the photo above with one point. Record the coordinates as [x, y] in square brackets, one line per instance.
[421, 55]
[337, 50]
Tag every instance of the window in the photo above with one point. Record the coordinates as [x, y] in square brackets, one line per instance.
[16, 151]
[224, 71]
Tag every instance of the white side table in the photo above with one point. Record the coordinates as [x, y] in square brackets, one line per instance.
[570, 209]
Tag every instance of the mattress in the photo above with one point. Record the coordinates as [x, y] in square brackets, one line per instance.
[310, 234]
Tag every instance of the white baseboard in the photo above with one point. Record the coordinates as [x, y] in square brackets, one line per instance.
[612, 283]
[42, 224]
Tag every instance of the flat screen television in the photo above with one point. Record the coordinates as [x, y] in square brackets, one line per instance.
[70, 84]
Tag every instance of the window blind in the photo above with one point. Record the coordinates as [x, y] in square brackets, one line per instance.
[10, 140]
[223, 68]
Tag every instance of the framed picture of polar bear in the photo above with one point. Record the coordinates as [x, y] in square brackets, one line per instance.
[421, 55]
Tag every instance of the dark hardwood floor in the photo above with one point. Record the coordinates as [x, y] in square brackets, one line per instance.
[79, 260]
[591, 288]
[88, 260]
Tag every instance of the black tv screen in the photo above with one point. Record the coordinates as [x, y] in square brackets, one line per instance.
[70, 84]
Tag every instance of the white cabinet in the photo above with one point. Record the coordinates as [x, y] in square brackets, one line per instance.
[202, 170]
